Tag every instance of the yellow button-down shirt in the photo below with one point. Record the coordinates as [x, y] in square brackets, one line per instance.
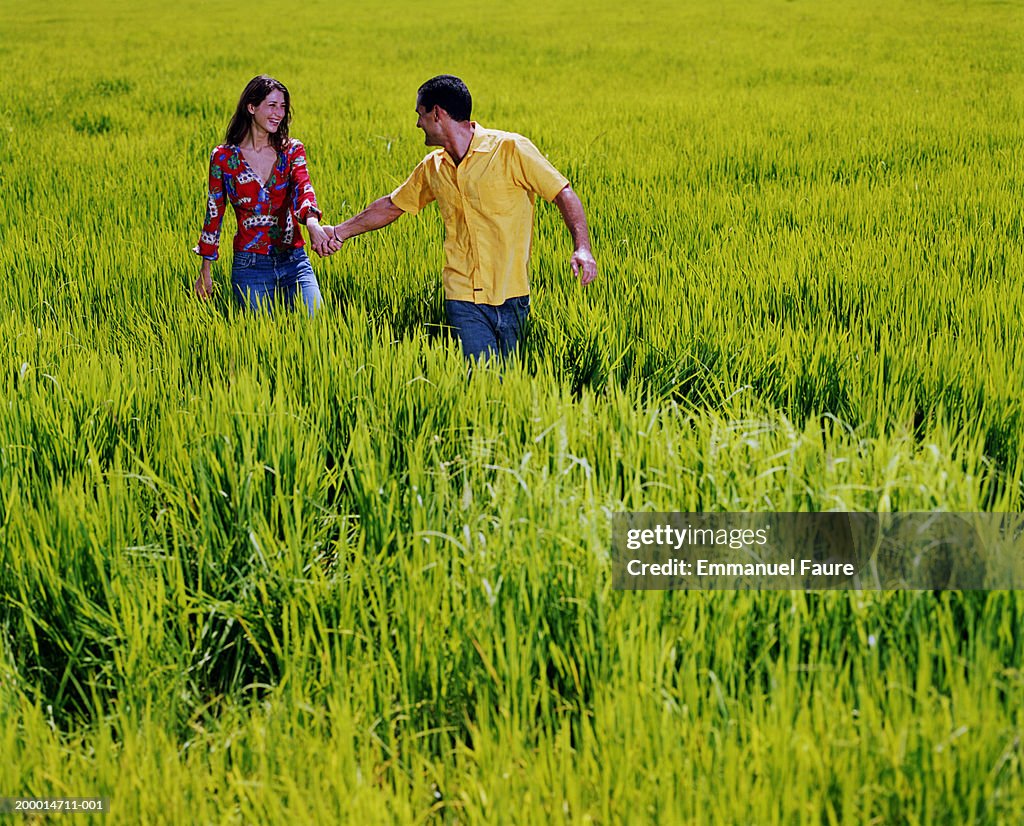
[487, 206]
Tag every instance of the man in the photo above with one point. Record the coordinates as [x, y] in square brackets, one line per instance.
[484, 182]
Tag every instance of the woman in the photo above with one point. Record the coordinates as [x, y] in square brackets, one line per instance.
[263, 172]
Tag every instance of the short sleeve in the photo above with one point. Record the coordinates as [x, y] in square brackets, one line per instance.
[532, 171]
[415, 193]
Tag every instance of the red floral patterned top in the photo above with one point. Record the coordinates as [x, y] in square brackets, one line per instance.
[267, 214]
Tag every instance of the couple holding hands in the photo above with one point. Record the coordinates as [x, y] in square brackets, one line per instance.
[484, 181]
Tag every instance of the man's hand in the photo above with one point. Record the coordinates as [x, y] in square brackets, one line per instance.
[582, 261]
[584, 265]
[318, 238]
[335, 239]
[204, 284]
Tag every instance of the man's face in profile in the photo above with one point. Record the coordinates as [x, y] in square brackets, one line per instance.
[430, 123]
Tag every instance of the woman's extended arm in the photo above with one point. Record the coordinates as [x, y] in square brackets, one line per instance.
[304, 203]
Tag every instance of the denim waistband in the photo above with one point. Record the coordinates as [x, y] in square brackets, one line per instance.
[283, 253]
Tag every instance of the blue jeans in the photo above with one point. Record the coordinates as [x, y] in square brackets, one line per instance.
[257, 279]
[485, 330]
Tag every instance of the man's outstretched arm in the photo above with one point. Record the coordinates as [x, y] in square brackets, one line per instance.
[378, 214]
[582, 261]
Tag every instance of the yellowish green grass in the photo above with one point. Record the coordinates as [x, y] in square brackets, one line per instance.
[261, 570]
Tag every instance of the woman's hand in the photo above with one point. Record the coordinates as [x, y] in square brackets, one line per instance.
[204, 284]
[320, 240]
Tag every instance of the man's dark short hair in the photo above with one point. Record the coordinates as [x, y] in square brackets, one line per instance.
[448, 92]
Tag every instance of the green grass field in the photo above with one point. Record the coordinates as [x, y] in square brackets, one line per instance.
[280, 570]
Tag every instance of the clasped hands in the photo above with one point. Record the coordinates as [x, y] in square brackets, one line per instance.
[324, 239]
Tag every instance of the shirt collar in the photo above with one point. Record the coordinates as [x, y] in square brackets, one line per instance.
[482, 141]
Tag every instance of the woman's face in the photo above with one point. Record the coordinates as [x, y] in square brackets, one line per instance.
[271, 111]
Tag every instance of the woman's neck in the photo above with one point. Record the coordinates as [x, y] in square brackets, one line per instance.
[258, 139]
